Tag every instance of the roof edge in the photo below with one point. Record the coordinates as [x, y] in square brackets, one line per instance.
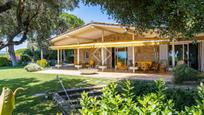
[91, 23]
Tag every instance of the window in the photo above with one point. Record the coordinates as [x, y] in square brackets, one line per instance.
[86, 54]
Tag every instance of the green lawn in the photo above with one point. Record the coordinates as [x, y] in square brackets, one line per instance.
[34, 83]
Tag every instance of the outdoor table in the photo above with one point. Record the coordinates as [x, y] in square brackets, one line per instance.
[102, 67]
[58, 66]
[133, 68]
[78, 66]
[144, 65]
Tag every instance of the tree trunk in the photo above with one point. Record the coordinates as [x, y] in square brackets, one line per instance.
[12, 54]
[41, 53]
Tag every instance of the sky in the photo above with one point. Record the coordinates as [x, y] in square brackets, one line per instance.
[87, 14]
[91, 13]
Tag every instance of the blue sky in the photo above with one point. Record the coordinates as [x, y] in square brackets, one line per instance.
[91, 13]
[87, 14]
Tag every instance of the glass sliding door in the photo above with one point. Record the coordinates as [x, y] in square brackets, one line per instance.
[70, 56]
[178, 53]
[121, 55]
[187, 52]
[193, 56]
[181, 53]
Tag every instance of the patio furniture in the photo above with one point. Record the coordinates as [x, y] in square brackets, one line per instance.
[144, 65]
[154, 67]
[133, 68]
[90, 64]
[78, 66]
[88, 71]
[102, 67]
[58, 66]
[68, 64]
[121, 66]
[163, 66]
[86, 65]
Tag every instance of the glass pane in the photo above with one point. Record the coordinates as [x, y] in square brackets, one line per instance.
[193, 56]
[186, 53]
[170, 55]
[178, 53]
[122, 55]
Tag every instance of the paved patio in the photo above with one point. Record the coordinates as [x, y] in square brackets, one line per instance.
[112, 75]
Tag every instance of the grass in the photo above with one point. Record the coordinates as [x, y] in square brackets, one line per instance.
[26, 103]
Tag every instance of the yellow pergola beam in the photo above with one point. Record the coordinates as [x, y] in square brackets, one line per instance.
[112, 44]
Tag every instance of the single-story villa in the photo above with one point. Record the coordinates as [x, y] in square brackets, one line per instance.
[113, 46]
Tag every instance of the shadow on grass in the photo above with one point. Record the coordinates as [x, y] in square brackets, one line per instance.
[26, 104]
[10, 67]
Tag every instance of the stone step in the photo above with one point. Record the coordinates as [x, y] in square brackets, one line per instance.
[65, 105]
[77, 90]
[78, 95]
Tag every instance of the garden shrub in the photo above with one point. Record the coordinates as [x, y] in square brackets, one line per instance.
[184, 73]
[43, 63]
[181, 97]
[19, 52]
[4, 61]
[123, 103]
[32, 67]
[28, 56]
[143, 87]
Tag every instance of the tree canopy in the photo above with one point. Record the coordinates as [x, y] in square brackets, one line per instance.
[26, 18]
[67, 21]
[174, 18]
[5, 6]
[64, 22]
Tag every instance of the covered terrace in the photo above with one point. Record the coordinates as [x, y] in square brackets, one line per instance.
[100, 44]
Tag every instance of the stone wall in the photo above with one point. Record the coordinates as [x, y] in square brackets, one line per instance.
[142, 53]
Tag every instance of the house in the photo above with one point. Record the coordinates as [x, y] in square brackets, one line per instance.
[113, 46]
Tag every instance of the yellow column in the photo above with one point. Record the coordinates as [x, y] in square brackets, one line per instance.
[58, 57]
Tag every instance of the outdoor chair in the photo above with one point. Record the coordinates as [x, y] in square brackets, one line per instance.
[163, 65]
[91, 63]
[144, 65]
[121, 66]
[154, 67]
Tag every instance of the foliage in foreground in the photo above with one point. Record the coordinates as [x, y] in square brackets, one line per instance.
[113, 102]
[7, 101]
[181, 96]
[184, 73]
[32, 67]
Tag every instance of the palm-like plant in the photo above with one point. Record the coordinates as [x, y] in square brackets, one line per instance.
[7, 101]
